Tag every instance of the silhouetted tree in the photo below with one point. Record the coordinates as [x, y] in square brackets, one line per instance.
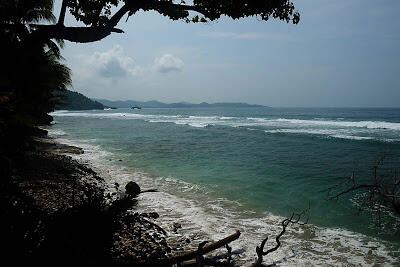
[379, 192]
[29, 54]
[30, 70]
[101, 20]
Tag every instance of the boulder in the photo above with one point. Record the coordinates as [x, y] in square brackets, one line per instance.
[154, 215]
[132, 189]
[176, 226]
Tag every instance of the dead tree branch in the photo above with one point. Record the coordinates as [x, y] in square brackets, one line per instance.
[382, 190]
[295, 218]
[206, 249]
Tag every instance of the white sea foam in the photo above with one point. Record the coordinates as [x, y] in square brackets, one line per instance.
[352, 137]
[59, 111]
[335, 133]
[355, 130]
[55, 133]
[304, 131]
[258, 119]
[227, 118]
[206, 218]
[358, 124]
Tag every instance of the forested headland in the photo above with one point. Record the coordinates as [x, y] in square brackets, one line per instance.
[71, 100]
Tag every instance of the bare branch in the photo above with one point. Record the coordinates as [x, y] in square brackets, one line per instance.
[119, 14]
[380, 193]
[295, 218]
[353, 188]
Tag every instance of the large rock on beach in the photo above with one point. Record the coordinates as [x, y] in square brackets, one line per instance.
[69, 150]
[132, 189]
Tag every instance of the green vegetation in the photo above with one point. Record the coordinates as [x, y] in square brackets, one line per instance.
[31, 38]
[102, 21]
[75, 101]
[31, 70]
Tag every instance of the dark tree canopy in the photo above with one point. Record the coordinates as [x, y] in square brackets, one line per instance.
[101, 17]
[31, 38]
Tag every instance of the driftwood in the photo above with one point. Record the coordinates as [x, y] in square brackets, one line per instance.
[214, 260]
[205, 249]
[192, 254]
[294, 219]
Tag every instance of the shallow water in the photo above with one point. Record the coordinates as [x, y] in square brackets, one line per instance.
[219, 170]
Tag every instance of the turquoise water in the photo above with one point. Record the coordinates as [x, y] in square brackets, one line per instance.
[266, 159]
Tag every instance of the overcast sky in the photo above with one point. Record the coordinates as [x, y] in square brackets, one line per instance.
[343, 53]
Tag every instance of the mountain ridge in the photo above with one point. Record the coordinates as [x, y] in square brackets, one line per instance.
[158, 104]
[72, 100]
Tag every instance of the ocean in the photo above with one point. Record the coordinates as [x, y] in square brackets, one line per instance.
[219, 170]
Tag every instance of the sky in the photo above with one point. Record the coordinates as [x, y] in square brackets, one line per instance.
[343, 53]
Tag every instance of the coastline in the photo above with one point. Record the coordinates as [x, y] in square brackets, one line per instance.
[177, 234]
[57, 208]
[211, 219]
[186, 220]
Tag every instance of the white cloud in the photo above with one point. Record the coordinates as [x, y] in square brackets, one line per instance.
[168, 63]
[248, 36]
[113, 63]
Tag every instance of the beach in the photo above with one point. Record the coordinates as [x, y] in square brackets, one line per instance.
[57, 208]
[204, 208]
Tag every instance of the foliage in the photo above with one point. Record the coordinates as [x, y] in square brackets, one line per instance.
[31, 67]
[30, 70]
[102, 16]
[21, 12]
[75, 101]
[92, 12]
[97, 13]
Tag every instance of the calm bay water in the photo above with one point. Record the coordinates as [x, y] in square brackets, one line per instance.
[248, 168]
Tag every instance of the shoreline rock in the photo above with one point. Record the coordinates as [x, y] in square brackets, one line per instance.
[132, 189]
[75, 214]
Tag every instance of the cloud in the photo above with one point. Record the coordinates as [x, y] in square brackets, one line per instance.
[248, 36]
[114, 63]
[112, 68]
[168, 63]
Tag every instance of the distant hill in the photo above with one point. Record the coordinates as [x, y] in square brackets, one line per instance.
[76, 101]
[157, 104]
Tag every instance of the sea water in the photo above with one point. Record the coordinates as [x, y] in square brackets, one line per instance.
[219, 170]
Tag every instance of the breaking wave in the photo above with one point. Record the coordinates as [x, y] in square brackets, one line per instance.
[354, 130]
[359, 124]
[206, 218]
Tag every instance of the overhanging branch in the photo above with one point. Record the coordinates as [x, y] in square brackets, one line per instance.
[92, 34]
[175, 11]
[75, 34]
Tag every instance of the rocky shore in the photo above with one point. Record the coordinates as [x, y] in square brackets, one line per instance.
[56, 212]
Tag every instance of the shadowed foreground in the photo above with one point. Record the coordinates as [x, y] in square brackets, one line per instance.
[54, 212]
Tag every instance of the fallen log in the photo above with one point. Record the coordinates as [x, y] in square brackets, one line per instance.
[207, 248]
[192, 254]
